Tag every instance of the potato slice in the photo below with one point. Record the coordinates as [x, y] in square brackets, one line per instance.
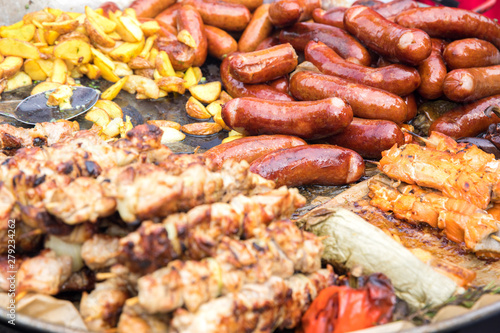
[196, 110]
[105, 59]
[112, 91]
[171, 84]
[148, 46]
[106, 72]
[127, 28]
[75, 50]
[10, 66]
[152, 55]
[93, 72]
[190, 78]
[201, 128]
[218, 120]
[111, 108]
[232, 138]
[185, 37]
[122, 69]
[206, 93]
[150, 28]
[44, 86]
[98, 116]
[127, 51]
[39, 16]
[62, 27]
[73, 35]
[50, 36]
[164, 65]
[125, 127]
[225, 97]
[233, 133]
[14, 26]
[215, 107]
[165, 123]
[104, 23]
[171, 135]
[18, 48]
[115, 36]
[198, 74]
[97, 35]
[21, 79]
[38, 36]
[112, 129]
[143, 85]
[33, 69]
[25, 33]
[60, 72]
[140, 63]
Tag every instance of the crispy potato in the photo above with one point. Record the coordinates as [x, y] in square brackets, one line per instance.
[233, 133]
[54, 11]
[112, 129]
[47, 66]
[18, 48]
[73, 35]
[140, 63]
[197, 73]
[104, 23]
[190, 78]
[171, 135]
[201, 128]
[218, 120]
[75, 50]
[75, 73]
[129, 30]
[60, 72]
[149, 73]
[196, 110]
[171, 84]
[122, 69]
[44, 86]
[38, 36]
[25, 33]
[152, 55]
[10, 66]
[165, 123]
[232, 138]
[50, 36]
[14, 26]
[93, 72]
[127, 51]
[125, 127]
[111, 108]
[114, 35]
[46, 52]
[214, 107]
[97, 35]
[39, 16]
[185, 37]
[61, 27]
[150, 28]
[140, 84]
[33, 69]
[106, 72]
[206, 93]
[98, 116]
[148, 46]
[164, 65]
[225, 97]
[103, 58]
[112, 91]
[21, 79]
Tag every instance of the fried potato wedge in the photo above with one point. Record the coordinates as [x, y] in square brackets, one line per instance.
[61, 27]
[33, 69]
[171, 84]
[44, 86]
[103, 58]
[60, 72]
[171, 135]
[25, 33]
[149, 28]
[165, 123]
[190, 78]
[104, 23]
[39, 16]
[21, 79]
[127, 28]
[196, 110]
[215, 107]
[127, 51]
[111, 108]
[113, 90]
[143, 85]
[164, 65]
[98, 116]
[97, 35]
[122, 69]
[206, 93]
[10, 66]
[201, 128]
[18, 48]
[75, 50]
[140, 63]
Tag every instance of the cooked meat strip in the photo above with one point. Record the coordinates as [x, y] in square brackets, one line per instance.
[83, 280]
[100, 251]
[135, 319]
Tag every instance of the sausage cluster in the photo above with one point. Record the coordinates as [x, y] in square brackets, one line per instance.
[367, 67]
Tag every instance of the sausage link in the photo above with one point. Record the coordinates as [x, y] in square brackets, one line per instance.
[393, 8]
[451, 23]
[181, 56]
[333, 16]
[281, 84]
[432, 72]
[367, 3]
[338, 39]
[257, 30]
[265, 65]
[220, 43]
[397, 79]
[224, 15]
[169, 15]
[237, 88]
[467, 120]
[189, 19]
[409, 46]
[470, 84]
[411, 104]
[319, 164]
[287, 12]
[251, 148]
[369, 137]
[150, 8]
[307, 120]
[268, 42]
[250, 4]
[109, 6]
[471, 52]
[365, 101]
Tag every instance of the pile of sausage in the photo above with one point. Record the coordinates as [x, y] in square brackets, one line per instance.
[368, 66]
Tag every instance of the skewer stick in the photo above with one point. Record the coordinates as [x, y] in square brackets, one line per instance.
[372, 162]
[495, 237]
[417, 136]
[105, 276]
[132, 301]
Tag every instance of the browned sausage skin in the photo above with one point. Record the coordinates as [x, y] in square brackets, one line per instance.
[150, 8]
[452, 23]
[169, 15]
[471, 52]
[319, 164]
[268, 42]
[189, 19]
[333, 16]
[397, 79]
[409, 46]
[220, 43]
[411, 104]
[470, 84]
[224, 15]
[181, 55]
[109, 6]
[368, 137]
[237, 88]
[432, 72]
[282, 84]
[307, 120]
[393, 8]
[365, 101]
[467, 120]
[250, 4]
[287, 12]
[257, 30]
[264, 65]
[251, 148]
[338, 39]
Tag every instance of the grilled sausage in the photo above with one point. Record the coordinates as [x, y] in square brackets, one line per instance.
[471, 52]
[397, 79]
[268, 42]
[409, 46]
[223, 15]
[189, 19]
[307, 120]
[470, 84]
[393, 8]
[367, 3]
[338, 39]
[220, 43]
[467, 120]
[181, 56]
[251, 148]
[369, 137]
[237, 88]
[250, 4]
[432, 72]
[281, 84]
[452, 23]
[319, 164]
[169, 15]
[333, 16]
[411, 104]
[150, 8]
[287, 12]
[256, 31]
[264, 65]
[365, 101]
[109, 6]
